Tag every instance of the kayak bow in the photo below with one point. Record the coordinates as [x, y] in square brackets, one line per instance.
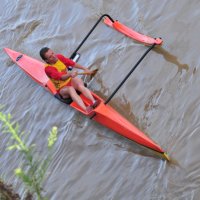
[131, 33]
[103, 113]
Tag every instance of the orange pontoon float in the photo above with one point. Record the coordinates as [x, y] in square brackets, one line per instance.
[147, 40]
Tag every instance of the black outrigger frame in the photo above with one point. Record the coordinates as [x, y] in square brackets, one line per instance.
[75, 53]
[86, 37]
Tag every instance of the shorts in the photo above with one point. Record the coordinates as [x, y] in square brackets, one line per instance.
[68, 84]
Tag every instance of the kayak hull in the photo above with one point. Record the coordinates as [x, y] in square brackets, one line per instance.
[103, 114]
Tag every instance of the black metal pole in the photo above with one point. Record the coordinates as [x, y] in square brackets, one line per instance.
[79, 46]
[111, 96]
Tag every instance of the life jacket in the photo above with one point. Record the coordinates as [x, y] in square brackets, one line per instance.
[61, 67]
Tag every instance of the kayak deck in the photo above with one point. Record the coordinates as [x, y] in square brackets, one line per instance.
[34, 68]
[107, 116]
[147, 40]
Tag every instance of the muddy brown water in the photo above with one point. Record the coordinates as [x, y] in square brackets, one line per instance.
[161, 98]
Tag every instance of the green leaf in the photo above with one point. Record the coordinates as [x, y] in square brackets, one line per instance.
[15, 146]
[21, 174]
[52, 136]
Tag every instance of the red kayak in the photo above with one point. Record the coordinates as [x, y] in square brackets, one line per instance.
[104, 114]
[131, 33]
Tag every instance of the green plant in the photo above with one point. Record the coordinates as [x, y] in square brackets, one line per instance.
[32, 172]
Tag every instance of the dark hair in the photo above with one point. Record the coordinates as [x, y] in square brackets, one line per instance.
[43, 51]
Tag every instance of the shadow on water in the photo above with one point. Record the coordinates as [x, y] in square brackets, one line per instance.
[28, 29]
[145, 152]
[129, 146]
[21, 31]
[171, 58]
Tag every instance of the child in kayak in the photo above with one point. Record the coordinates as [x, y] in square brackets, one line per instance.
[66, 82]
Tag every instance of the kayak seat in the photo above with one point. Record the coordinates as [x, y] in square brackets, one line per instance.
[67, 100]
[59, 97]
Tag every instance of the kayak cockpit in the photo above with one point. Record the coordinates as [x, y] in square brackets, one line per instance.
[67, 101]
[87, 102]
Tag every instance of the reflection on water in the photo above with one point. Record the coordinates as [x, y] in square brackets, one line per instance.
[171, 58]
